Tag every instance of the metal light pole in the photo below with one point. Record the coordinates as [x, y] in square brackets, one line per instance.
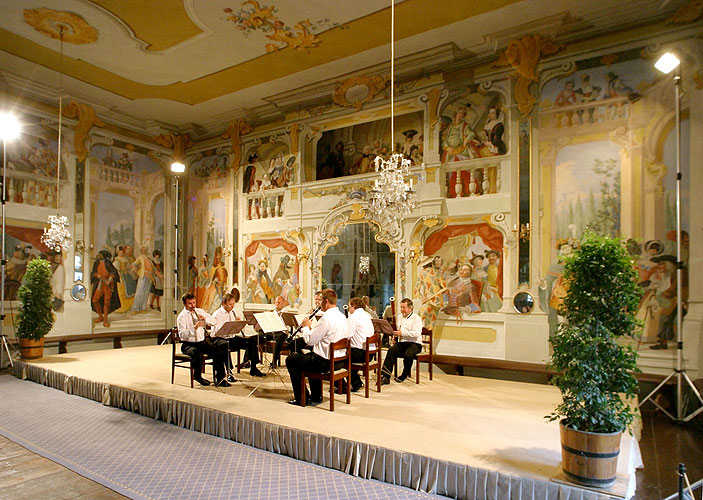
[176, 168]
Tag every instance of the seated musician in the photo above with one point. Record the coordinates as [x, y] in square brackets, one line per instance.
[298, 344]
[408, 345]
[192, 323]
[359, 328]
[278, 337]
[367, 306]
[223, 315]
[332, 327]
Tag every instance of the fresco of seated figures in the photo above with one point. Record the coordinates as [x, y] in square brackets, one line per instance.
[31, 166]
[352, 150]
[463, 273]
[605, 125]
[272, 270]
[127, 269]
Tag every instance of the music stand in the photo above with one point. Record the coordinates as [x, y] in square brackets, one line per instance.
[383, 328]
[267, 322]
[227, 331]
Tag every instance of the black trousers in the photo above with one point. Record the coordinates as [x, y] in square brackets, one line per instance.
[195, 351]
[405, 350]
[298, 345]
[236, 343]
[358, 356]
[279, 338]
[310, 362]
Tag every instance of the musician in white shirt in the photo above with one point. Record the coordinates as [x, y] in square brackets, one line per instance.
[223, 315]
[359, 328]
[278, 337]
[331, 328]
[409, 344]
[192, 323]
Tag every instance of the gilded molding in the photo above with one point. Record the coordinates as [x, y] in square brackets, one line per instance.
[432, 100]
[374, 84]
[234, 132]
[61, 25]
[86, 120]
[178, 143]
[687, 13]
[523, 55]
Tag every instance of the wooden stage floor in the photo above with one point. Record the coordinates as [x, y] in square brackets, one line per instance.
[490, 424]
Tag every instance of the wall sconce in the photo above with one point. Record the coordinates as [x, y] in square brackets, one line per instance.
[523, 234]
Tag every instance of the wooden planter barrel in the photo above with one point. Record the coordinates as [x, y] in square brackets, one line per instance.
[589, 458]
[31, 349]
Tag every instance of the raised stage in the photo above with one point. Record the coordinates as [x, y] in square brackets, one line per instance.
[456, 436]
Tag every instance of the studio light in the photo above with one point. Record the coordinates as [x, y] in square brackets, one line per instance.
[667, 63]
[9, 127]
[177, 167]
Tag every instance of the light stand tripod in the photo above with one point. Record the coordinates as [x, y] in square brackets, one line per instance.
[9, 130]
[679, 372]
[175, 168]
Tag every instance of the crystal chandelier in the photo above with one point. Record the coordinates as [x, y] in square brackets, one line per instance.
[391, 195]
[364, 264]
[57, 236]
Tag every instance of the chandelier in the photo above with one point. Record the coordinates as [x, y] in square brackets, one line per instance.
[391, 195]
[57, 236]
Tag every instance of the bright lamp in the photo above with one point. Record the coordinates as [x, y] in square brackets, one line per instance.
[667, 63]
[9, 127]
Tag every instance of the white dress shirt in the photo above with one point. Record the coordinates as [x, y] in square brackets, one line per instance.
[410, 328]
[331, 328]
[221, 316]
[186, 325]
[359, 328]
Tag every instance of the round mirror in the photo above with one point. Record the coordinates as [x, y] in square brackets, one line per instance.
[78, 292]
[523, 302]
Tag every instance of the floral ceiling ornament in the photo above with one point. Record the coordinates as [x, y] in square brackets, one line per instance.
[254, 17]
[523, 55]
[358, 90]
[67, 26]
[86, 120]
[179, 144]
[687, 13]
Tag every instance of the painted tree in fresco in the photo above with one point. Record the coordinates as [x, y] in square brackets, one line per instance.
[215, 237]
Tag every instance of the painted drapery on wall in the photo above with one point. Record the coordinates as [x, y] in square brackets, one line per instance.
[272, 270]
[352, 150]
[463, 274]
[607, 151]
[127, 202]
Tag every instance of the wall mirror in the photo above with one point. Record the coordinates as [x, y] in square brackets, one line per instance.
[78, 292]
[359, 265]
[523, 302]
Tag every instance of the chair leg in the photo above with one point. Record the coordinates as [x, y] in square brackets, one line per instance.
[378, 379]
[366, 378]
[429, 366]
[302, 391]
[417, 371]
[349, 392]
[192, 373]
[239, 361]
[173, 370]
[331, 396]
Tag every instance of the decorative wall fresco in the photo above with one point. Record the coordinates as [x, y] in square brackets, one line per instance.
[352, 150]
[272, 270]
[127, 201]
[211, 163]
[463, 274]
[270, 167]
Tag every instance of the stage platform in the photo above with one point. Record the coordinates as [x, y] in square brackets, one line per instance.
[457, 436]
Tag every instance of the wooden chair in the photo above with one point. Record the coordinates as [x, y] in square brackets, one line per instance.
[332, 375]
[425, 356]
[373, 346]
[180, 360]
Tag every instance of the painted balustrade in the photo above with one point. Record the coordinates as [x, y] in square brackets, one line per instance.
[604, 111]
[265, 204]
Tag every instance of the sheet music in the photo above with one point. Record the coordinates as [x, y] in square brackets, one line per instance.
[300, 317]
[270, 322]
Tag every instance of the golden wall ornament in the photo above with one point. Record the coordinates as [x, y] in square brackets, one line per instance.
[53, 23]
[179, 144]
[687, 13]
[523, 55]
[235, 131]
[86, 120]
[358, 90]
[432, 99]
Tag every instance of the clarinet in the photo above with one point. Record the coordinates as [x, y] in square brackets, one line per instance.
[292, 335]
[393, 321]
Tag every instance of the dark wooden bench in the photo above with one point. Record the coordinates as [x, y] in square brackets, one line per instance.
[64, 340]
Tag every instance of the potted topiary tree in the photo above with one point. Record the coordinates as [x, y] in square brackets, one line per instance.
[595, 368]
[35, 318]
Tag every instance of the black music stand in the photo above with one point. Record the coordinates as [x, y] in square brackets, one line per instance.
[383, 328]
[227, 331]
[295, 345]
[269, 367]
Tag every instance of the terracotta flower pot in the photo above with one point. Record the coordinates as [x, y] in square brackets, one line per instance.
[589, 458]
[31, 349]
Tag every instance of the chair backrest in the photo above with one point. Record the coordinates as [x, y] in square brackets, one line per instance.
[373, 344]
[340, 345]
[427, 339]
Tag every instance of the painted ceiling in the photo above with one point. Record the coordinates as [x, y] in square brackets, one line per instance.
[198, 62]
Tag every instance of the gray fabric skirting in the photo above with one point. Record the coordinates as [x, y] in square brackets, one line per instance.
[356, 458]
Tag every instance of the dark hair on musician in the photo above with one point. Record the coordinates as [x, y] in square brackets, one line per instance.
[407, 302]
[234, 292]
[227, 298]
[319, 292]
[356, 303]
[187, 296]
[330, 296]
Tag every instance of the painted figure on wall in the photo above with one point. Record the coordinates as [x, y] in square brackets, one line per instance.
[104, 278]
[457, 139]
[432, 288]
[552, 289]
[58, 279]
[127, 286]
[464, 292]
[352, 150]
[145, 271]
[212, 299]
[259, 287]
[202, 284]
[192, 274]
[157, 284]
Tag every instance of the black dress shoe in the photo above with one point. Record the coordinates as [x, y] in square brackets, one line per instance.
[313, 402]
[230, 378]
[256, 373]
[356, 388]
[246, 364]
[385, 381]
[202, 381]
[401, 379]
[223, 383]
[294, 402]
